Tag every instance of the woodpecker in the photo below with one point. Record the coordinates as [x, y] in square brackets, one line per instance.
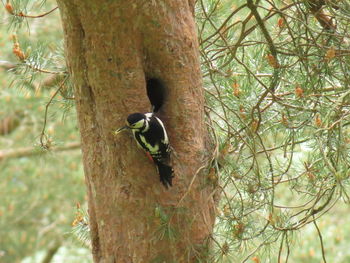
[150, 134]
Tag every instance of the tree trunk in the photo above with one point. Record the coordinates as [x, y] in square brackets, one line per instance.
[111, 48]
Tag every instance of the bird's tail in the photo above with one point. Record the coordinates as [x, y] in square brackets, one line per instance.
[165, 173]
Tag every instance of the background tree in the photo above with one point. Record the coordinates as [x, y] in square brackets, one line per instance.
[276, 105]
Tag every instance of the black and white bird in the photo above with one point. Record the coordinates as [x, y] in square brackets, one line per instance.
[150, 134]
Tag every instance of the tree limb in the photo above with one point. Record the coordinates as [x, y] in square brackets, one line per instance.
[33, 151]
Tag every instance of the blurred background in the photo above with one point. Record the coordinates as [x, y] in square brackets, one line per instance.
[39, 189]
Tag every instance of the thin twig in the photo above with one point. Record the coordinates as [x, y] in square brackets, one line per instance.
[45, 145]
[321, 240]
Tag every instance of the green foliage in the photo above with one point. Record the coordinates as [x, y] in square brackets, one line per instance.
[278, 105]
[37, 192]
[165, 229]
[81, 228]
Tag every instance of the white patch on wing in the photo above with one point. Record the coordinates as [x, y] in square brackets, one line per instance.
[166, 140]
[148, 115]
[152, 149]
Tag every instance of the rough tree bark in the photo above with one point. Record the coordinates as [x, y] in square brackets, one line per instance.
[111, 47]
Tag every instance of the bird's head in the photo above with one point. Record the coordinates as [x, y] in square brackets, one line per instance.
[135, 121]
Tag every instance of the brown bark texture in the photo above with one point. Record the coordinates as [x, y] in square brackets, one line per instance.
[111, 48]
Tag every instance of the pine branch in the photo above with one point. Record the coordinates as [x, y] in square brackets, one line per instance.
[325, 20]
[50, 81]
[43, 138]
[7, 64]
[11, 10]
[263, 28]
[80, 227]
[33, 151]
[51, 252]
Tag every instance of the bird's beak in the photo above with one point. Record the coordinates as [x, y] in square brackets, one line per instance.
[120, 130]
